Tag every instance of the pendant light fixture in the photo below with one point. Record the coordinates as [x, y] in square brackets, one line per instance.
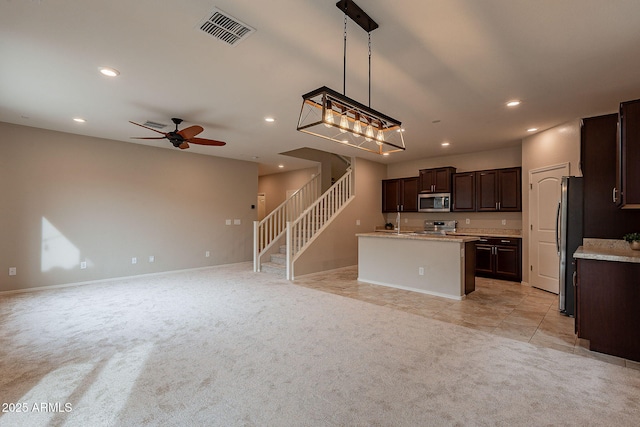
[331, 115]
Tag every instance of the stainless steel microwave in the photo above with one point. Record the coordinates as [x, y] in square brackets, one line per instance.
[434, 202]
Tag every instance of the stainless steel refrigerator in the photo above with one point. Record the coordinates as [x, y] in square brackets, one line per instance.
[568, 238]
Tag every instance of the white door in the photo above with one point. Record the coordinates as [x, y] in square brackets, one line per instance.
[544, 196]
[262, 206]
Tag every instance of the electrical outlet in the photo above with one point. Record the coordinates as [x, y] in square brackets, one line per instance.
[228, 222]
[467, 221]
[134, 260]
[421, 271]
[12, 271]
[406, 220]
[152, 258]
[83, 265]
[357, 222]
[504, 222]
[236, 222]
[207, 254]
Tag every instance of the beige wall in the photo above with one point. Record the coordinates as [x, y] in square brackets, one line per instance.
[275, 186]
[493, 159]
[337, 246]
[554, 146]
[69, 198]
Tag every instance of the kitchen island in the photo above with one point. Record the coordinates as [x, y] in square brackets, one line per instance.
[440, 265]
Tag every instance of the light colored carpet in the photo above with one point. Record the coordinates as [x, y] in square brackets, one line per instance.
[226, 346]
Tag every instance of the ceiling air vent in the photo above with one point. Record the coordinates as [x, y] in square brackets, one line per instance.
[225, 27]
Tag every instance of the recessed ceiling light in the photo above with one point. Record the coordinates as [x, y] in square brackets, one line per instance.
[532, 129]
[513, 103]
[445, 144]
[385, 154]
[79, 120]
[269, 119]
[280, 166]
[110, 72]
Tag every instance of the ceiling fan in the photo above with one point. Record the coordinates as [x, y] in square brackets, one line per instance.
[181, 138]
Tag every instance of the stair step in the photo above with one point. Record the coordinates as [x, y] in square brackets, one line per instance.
[276, 269]
[279, 259]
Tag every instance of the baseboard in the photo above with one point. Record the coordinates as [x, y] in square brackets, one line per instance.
[406, 288]
[111, 279]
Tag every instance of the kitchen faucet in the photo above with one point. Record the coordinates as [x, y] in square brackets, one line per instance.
[398, 221]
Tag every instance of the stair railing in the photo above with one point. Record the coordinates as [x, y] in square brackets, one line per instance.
[302, 231]
[272, 227]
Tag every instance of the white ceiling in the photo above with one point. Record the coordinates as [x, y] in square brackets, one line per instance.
[445, 68]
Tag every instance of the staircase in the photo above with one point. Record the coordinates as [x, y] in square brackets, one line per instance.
[300, 231]
[271, 229]
[277, 264]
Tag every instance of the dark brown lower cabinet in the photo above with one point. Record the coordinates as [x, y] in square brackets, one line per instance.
[499, 258]
[607, 307]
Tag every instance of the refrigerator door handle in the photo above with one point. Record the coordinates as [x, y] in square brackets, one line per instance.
[558, 229]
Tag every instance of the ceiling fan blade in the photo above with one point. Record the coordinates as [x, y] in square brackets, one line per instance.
[148, 137]
[183, 146]
[190, 132]
[146, 127]
[203, 141]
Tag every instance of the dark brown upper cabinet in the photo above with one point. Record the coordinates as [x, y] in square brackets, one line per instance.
[499, 190]
[400, 194]
[464, 192]
[602, 218]
[436, 180]
[626, 194]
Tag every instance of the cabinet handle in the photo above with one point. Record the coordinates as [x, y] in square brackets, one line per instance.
[499, 205]
[505, 241]
[615, 195]
[483, 240]
[496, 205]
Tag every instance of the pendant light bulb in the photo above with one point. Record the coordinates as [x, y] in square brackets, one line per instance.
[380, 135]
[344, 122]
[328, 115]
[357, 127]
[368, 133]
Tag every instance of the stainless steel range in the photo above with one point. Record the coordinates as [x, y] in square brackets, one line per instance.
[439, 227]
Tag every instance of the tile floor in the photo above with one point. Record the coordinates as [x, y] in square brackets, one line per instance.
[508, 309]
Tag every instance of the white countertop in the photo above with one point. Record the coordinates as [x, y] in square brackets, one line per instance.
[607, 250]
[486, 234]
[476, 232]
[409, 235]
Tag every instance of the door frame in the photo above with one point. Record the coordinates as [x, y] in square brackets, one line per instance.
[563, 165]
